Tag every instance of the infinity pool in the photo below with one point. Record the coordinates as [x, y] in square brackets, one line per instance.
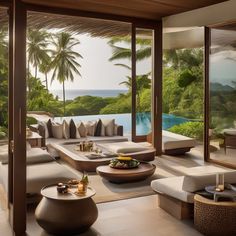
[143, 121]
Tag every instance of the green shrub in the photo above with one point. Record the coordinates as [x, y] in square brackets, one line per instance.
[189, 129]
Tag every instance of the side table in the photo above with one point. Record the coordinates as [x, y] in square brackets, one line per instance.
[66, 214]
[214, 218]
[35, 139]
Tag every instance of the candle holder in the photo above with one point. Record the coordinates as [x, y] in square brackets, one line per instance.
[220, 182]
[83, 185]
[82, 188]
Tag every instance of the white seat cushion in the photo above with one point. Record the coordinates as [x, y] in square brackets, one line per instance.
[193, 183]
[231, 131]
[172, 187]
[174, 141]
[124, 147]
[40, 175]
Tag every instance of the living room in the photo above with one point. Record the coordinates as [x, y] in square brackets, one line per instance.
[131, 133]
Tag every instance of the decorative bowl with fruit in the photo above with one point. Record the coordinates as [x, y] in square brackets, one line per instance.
[124, 163]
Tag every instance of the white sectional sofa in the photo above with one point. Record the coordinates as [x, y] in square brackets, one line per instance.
[176, 194]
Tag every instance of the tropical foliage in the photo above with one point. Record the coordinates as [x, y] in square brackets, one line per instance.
[64, 59]
[189, 129]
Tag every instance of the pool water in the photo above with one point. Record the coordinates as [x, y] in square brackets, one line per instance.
[143, 121]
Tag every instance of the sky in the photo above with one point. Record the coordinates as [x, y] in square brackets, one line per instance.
[96, 70]
[223, 67]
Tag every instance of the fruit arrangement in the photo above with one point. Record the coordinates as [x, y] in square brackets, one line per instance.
[124, 163]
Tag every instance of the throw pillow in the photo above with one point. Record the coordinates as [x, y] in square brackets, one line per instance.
[82, 129]
[57, 131]
[103, 130]
[49, 126]
[73, 129]
[98, 128]
[115, 131]
[43, 129]
[28, 146]
[90, 127]
[66, 130]
[109, 127]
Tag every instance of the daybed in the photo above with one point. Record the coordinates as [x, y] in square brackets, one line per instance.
[42, 170]
[174, 144]
[176, 194]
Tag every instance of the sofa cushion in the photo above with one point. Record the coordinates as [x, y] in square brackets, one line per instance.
[81, 129]
[66, 129]
[124, 147]
[57, 131]
[174, 141]
[41, 175]
[49, 126]
[72, 129]
[109, 126]
[98, 128]
[34, 156]
[90, 127]
[193, 183]
[43, 129]
[172, 187]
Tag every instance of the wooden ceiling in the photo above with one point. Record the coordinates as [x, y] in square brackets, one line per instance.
[146, 9]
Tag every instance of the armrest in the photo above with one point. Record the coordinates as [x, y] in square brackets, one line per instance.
[34, 128]
[120, 130]
[40, 130]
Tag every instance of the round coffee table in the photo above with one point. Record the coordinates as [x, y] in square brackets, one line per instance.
[66, 213]
[143, 171]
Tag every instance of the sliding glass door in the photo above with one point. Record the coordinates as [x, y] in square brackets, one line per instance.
[222, 93]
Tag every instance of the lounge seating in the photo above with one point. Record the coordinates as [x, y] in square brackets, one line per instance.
[135, 150]
[229, 138]
[42, 170]
[175, 144]
[91, 131]
[176, 194]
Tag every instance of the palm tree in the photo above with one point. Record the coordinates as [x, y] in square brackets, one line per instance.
[44, 68]
[64, 63]
[144, 49]
[37, 42]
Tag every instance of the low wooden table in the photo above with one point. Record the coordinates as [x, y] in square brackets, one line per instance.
[143, 171]
[66, 214]
[80, 162]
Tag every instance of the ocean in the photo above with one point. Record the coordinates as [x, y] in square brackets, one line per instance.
[72, 94]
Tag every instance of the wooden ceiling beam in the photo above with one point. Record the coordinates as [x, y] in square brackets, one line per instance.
[148, 9]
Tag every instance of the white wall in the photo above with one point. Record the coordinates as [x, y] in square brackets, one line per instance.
[214, 14]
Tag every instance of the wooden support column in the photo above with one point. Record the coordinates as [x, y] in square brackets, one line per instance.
[19, 114]
[207, 39]
[10, 107]
[133, 60]
[157, 90]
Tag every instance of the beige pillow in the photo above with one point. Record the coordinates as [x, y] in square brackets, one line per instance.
[43, 126]
[115, 131]
[109, 126]
[57, 131]
[28, 146]
[66, 130]
[103, 130]
[81, 130]
[90, 127]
